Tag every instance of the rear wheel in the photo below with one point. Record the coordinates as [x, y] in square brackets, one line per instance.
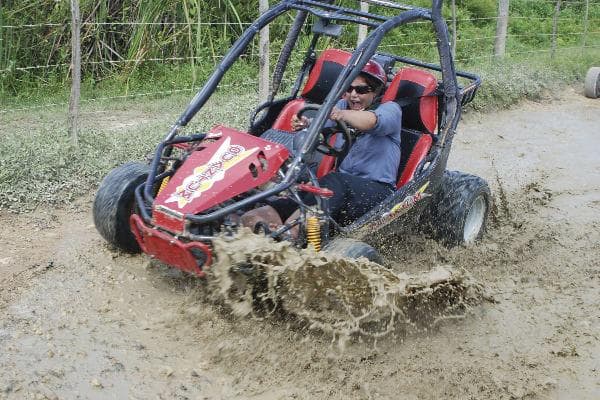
[114, 204]
[460, 209]
[592, 83]
[353, 249]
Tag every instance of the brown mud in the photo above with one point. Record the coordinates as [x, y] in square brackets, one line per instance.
[335, 295]
[80, 321]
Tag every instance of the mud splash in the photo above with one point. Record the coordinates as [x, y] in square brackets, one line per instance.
[343, 297]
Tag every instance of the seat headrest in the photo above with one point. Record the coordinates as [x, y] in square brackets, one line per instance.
[414, 90]
[324, 73]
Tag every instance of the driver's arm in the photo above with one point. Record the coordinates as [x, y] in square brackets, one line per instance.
[360, 120]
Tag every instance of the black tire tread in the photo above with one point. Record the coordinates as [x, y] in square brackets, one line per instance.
[451, 203]
[113, 205]
[353, 249]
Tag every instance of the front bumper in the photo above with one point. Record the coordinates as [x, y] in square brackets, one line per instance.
[193, 257]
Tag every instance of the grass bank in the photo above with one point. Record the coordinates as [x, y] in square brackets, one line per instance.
[39, 166]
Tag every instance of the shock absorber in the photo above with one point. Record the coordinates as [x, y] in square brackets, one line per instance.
[313, 232]
[163, 184]
[165, 180]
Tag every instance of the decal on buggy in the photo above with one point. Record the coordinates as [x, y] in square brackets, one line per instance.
[409, 201]
[399, 209]
[205, 176]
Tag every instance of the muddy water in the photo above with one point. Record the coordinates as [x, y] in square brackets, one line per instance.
[339, 296]
[81, 321]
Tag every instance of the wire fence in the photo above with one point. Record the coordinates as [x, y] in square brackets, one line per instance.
[583, 37]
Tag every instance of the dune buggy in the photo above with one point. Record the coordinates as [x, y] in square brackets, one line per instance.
[197, 185]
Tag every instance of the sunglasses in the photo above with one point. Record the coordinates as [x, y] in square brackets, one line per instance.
[362, 89]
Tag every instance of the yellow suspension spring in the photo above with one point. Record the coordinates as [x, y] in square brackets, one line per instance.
[163, 184]
[313, 232]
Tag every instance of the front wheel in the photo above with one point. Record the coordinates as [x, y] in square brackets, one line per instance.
[460, 209]
[114, 204]
[353, 249]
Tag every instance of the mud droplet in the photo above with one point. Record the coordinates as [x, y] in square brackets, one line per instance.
[96, 383]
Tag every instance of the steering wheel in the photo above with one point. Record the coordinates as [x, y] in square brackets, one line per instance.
[324, 147]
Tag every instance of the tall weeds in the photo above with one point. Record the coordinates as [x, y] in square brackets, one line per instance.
[122, 39]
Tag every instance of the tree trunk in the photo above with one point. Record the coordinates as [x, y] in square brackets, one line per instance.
[75, 72]
[263, 53]
[501, 28]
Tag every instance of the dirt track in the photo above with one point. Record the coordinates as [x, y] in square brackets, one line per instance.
[78, 321]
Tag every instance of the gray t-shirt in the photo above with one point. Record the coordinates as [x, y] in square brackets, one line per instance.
[375, 154]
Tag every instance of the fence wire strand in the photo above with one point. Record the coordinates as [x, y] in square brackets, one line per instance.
[31, 68]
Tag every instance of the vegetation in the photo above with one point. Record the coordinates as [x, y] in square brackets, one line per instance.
[175, 48]
[133, 46]
[38, 164]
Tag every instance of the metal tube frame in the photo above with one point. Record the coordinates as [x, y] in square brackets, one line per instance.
[362, 54]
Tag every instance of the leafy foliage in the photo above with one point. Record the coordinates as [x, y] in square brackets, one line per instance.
[123, 40]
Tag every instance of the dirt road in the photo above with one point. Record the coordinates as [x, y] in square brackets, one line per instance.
[79, 321]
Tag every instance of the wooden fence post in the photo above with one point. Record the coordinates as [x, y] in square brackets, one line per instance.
[585, 24]
[362, 29]
[501, 28]
[555, 28]
[454, 34]
[263, 55]
[75, 72]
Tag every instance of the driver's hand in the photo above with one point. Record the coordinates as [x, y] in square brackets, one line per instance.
[337, 114]
[299, 123]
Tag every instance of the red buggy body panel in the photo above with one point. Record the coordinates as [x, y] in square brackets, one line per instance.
[234, 163]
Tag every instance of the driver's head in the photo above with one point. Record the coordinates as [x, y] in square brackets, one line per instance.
[366, 86]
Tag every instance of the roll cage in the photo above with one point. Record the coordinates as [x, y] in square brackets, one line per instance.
[450, 94]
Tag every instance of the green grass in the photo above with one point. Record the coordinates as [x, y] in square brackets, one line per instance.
[38, 165]
[507, 82]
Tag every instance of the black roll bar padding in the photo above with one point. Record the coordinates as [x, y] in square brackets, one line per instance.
[141, 204]
[391, 4]
[341, 17]
[452, 109]
[284, 56]
[474, 78]
[340, 11]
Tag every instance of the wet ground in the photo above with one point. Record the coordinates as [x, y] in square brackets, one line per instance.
[81, 321]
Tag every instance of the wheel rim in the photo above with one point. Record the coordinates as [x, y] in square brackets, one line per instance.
[474, 220]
